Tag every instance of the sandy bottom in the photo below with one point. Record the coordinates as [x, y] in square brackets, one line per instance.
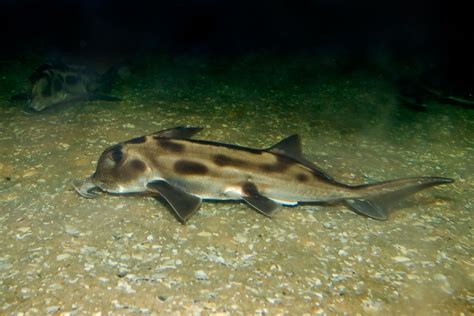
[63, 254]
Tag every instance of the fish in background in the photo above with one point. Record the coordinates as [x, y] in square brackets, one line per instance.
[57, 84]
[417, 92]
[185, 171]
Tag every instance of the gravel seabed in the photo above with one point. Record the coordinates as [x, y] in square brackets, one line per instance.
[62, 254]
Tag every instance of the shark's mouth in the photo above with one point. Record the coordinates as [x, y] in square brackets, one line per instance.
[88, 188]
[85, 187]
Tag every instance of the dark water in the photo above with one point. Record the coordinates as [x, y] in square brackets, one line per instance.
[60, 253]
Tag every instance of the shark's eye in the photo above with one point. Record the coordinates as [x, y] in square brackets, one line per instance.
[117, 155]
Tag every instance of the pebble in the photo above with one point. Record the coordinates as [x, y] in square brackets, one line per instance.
[329, 225]
[342, 253]
[70, 230]
[204, 234]
[52, 309]
[124, 286]
[359, 288]
[401, 259]
[62, 256]
[201, 275]
[443, 280]
[371, 306]
[240, 238]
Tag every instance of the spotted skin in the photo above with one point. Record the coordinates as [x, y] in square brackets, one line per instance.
[59, 85]
[187, 170]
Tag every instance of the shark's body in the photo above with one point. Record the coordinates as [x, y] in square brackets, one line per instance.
[184, 171]
[54, 85]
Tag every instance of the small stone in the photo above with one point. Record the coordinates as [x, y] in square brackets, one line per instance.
[359, 288]
[342, 253]
[123, 285]
[338, 277]
[371, 305]
[240, 238]
[201, 275]
[62, 256]
[52, 309]
[24, 229]
[70, 230]
[329, 225]
[204, 234]
[443, 280]
[401, 259]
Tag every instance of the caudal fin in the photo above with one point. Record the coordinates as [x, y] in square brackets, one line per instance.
[378, 198]
[106, 80]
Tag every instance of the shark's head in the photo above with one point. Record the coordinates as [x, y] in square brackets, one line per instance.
[46, 90]
[56, 85]
[121, 169]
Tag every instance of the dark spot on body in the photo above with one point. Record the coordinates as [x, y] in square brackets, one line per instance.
[136, 140]
[282, 164]
[189, 167]
[248, 188]
[8, 178]
[169, 144]
[72, 79]
[224, 160]
[301, 177]
[138, 165]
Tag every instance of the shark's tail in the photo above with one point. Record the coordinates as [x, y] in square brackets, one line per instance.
[107, 79]
[377, 198]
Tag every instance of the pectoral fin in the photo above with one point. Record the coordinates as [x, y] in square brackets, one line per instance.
[252, 196]
[184, 204]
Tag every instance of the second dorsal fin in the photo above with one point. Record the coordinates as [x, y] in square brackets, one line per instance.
[291, 147]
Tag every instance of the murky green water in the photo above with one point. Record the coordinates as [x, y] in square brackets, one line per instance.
[60, 253]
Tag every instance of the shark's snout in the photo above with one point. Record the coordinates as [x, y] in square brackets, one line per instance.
[84, 188]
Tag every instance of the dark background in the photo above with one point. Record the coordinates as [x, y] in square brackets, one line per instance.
[234, 27]
[430, 31]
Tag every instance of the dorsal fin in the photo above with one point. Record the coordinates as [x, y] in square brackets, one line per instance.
[291, 147]
[179, 132]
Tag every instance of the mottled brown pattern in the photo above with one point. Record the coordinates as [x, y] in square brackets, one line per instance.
[169, 144]
[301, 177]
[282, 164]
[138, 165]
[224, 160]
[136, 140]
[188, 167]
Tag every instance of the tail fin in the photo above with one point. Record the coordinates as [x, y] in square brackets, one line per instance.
[380, 197]
[106, 80]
